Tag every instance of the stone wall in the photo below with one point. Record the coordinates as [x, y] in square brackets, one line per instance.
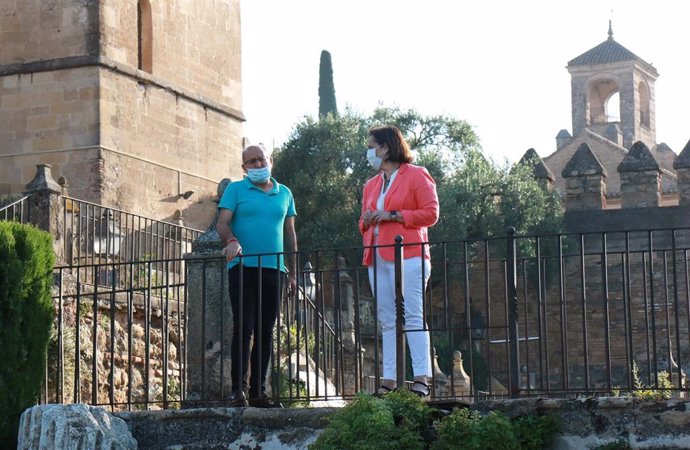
[72, 95]
[584, 424]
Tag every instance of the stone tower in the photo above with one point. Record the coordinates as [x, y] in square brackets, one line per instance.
[613, 107]
[137, 103]
[596, 77]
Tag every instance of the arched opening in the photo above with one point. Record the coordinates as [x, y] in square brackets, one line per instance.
[613, 108]
[144, 36]
[643, 91]
[603, 102]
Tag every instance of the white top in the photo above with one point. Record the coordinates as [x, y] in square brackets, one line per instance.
[382, 195]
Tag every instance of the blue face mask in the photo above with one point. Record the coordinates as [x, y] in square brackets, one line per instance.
[259, 176]
[374, 161]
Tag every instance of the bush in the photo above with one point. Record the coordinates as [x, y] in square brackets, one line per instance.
[371, 423]
[26, 315]
[402, 420]
[468, 430]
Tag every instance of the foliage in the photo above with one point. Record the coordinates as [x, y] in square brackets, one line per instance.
[369, 422]
[324, 164]
[327, 103]
[26, 315]
[645, 392]
[534, 432]
[662, 391]
[400, 419]
[494, 431]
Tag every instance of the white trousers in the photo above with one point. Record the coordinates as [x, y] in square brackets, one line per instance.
[413, 293]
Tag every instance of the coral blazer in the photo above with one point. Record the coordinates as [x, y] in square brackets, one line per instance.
[413, 195]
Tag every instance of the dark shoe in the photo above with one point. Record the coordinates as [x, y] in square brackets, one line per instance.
[237, 399]
[420, 388]
[382, 391]
[263, 401]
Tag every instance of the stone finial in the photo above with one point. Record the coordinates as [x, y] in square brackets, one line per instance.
[43, 181]
[583, 162]
[539, 169]
[209, 241]
[461, 381]
[440, 378]
[221, 187]
[62, 181]
[563, 138]
[682, 166]
[683, 159]
[638, 159]
[585, 181]
[640, 178]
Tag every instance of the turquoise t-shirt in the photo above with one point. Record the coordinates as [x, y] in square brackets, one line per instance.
[257, 221]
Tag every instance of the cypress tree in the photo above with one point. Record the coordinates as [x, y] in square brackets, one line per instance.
[327, 103]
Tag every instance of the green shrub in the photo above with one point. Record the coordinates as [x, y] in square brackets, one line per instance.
[400, 419]
[534, 432]
[26, 315]
[371, 423]
[468, 430]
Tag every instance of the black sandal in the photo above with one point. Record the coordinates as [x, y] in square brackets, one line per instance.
[422, 389]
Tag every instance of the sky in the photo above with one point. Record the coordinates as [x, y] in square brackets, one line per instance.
[499, 65]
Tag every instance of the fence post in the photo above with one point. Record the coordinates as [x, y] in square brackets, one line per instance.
[399, 314]
[512, 313]
[46, 209]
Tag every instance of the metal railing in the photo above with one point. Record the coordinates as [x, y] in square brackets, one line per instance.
[96, 234]
[559, 315]
[16, 210]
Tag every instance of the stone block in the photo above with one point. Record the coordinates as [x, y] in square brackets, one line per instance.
[76, 426]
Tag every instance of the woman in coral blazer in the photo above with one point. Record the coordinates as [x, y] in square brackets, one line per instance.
[400, 200]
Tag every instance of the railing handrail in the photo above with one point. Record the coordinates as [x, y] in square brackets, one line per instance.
[13, 202]
[96, 205]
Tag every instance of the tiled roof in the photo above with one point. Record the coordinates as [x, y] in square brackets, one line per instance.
[607, 52]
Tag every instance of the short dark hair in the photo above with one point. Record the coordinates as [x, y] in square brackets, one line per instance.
[398, 149]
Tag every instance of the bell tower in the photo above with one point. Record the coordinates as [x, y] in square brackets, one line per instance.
[612, 94]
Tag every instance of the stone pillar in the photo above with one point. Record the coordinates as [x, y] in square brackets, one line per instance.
[585, 181]
[640, 178]
[209, 318]
[353, 360]
[682, 166]
[46, 209]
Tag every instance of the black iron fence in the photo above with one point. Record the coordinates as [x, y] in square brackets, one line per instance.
[559, 315]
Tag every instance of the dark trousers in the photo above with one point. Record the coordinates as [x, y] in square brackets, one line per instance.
[255, 315]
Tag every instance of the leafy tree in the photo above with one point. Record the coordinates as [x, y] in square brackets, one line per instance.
[327, 103]
[324, 164]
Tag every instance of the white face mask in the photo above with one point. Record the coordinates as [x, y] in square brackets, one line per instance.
[374, 161]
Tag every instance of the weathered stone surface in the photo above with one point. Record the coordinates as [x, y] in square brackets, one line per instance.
[235, 428]
[73, 427]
